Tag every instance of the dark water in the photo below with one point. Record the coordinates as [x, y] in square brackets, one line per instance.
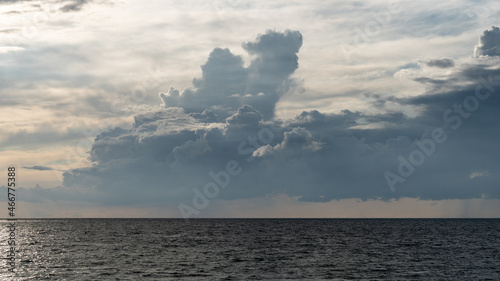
[246, 249]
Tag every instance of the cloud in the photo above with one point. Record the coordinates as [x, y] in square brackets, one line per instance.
[478, 174]
[441, 63]
[75, 5]
[67, 5]
[315, 156]
[6, 49]
[226, 84]
[489, 43]
[41, 133]
[443, 22]
[9, 30]
[39, 168]
[296, 141]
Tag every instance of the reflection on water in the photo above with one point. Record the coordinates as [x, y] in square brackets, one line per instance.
[236, 249]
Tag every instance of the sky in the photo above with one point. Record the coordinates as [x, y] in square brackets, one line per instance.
[233, 108]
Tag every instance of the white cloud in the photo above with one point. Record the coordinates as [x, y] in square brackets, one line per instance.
[478, 174]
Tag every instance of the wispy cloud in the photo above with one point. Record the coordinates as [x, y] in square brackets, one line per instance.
[478, 174]
[39, 168]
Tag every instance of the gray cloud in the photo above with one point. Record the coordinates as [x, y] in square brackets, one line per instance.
[75, 5]
[489, 43]
[39, 168]
[441, 63]
[44, 133]
[227, 84]
[316, 156]
[68, 5]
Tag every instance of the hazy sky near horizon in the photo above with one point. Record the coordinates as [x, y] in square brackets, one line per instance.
[232, 108]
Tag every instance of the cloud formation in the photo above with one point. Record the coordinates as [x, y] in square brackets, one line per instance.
[489, 43]
[226, 84]
[228, 118]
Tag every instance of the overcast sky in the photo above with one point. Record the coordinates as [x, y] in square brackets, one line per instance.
[232, 108]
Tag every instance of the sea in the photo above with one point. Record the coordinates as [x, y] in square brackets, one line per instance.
[253, 249]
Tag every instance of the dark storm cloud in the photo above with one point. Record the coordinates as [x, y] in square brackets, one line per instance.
[441, 63]
[316, 156]
[489, 43]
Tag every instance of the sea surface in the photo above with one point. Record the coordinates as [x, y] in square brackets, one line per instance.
[255, 249]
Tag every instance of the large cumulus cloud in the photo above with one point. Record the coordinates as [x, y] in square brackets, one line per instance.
[226, 84]
[227, 118]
